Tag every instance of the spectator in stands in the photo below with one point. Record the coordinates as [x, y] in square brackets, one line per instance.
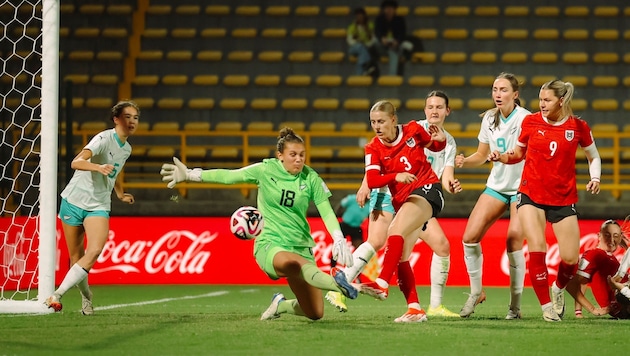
[86, 200]
[595, 267]
[362, 44]
[548, 142]
[499, 130]
[391, 34]
[285, 247]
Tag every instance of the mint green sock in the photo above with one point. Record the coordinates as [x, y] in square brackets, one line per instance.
[318, 279]
[290, 306]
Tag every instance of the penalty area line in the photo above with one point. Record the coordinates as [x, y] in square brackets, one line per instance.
[163, 300]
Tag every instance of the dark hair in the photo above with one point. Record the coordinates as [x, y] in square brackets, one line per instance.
[516, 86]
[438, 93]
[287, 135]
[389, 3]
[360, 10]
[120, 106]
[561, 90]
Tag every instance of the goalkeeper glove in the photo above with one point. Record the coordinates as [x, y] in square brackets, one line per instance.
[178, 172]
[340, 251]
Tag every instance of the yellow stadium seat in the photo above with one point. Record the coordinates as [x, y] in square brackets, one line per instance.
[606, 11]
[240, 56]
[294, 103]
[356, 104]
[165, 126]
[144, 103]
[626, 81]
[232, 103]
[390, 80]
[304, 33]
[516, 11]
[197, 126]
[483, 57]
[576, 11]
[213, 32]
[224, 152]
[486, 11]
[154, 32]
[307, 10]
[270, 56]
[91, 9]
[545, 57]
[188, 9]
[76, 102]
[455, 34]
[159, 9]
[547, 11]
[453, 57]
[297, 126]
[604, 128]
[179, 55]
[421, 80]
[260, 126]
[473, 127]
[228, 126]
[175, 79]
[264, 103]
[354, 126]
[486, 34]
[452, 81]
[539, 80]
[359, 81]
[605, 81]
[194, 153]
[626, 104]
[77, 78]
[334, 33]
[482, 80]
[152, 55]
[87, 32]
[105, 79]
[606, 34]
[278, 10]
[80, 55]
[605, 105]
[457, 11]
[576, 80]
[428, 11]
[170, 103]
[331, 57]
[326, 104]
[236, 80]
[575, 34]
[159, 152]
[515, 34]
[217, 10]
[99, 103]
[274, 33]
[480, 104]
[514, 57]
[244, 32]
[184, 32]
[546, 34]
[205, 79]
[209, 55]
[93, 126]
[320, 153]
[267, 80]
[115, 32]
[605, 58]
[324, 126]
[415, 104]
[423, 57]
[298, 80]
[452, 127]
[201, 103]
[351, 153]
[326, 80]
[579, 104]
[301, 56]
[337, 11]
[575, 57]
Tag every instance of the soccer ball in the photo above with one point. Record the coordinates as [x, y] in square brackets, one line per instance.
[246, 223]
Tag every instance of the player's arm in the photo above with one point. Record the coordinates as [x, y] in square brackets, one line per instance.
[594, 168]
[574, 287]
[512, 156]
[120, 192]
[363, 194]
[437, 140]
[476, 159]
[81, 162]
[178, 172]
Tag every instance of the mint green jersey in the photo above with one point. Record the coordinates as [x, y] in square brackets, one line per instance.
[283, 198]
[93, 190]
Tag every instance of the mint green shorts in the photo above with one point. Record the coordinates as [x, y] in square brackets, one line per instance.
[73, 215]
[266, 251]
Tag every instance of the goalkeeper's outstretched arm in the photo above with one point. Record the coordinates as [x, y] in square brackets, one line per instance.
[178, 172]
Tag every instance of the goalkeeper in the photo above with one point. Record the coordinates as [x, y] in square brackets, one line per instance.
[285, 248]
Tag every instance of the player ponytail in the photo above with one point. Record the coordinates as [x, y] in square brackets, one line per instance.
[564, 91]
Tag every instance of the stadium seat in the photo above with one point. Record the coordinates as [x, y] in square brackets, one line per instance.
[205, 79]
[297, 80]
[175, 79]
[260, 126]
[264, 104]
[301, 56]
[483, 57]
[473, 127]
[455, 34]
[307, 10]
[351, 153]
[605, 81]
[514, 57]
[453, 57]
[115, 32]
[547, 11]
[606, 11]
[423, 57]
[170, 103]
[144, 103]
[515, 34]
[604, 128]
[337, 11]
[426, 11]
[297, 126]
[197, 126]
[165, 126]
[142, 126]
[487, 11]
[294, 103]
[389, 80]
[516, 11]
[160, 152]
[154, 32]
[194, 153]
[244, 32]
[179, 55]
[326, 104]
[356, 104]
[331, 56]
[486, 34]
[606, 34]
[326, 80]
[539, 80]
[456, 103]
[482, 80]
[605, 105]
[415, 104]
[99, 103]
[304, 33]
[576, 80]
[425, 33]
[91, 9]
[605, 58]
[267, 80]
[87, 32]
[626, 81]
[77, 78]
[421, 80]
[277, 10]
[575, 57]
[228, 126]
[452, 81]
[481, 104]
[452, 127]
[217, 10]
[359, 81]
[209, 55]
[579, 104]
[232, 103]
[201, 103]
[213, 32]
[626, 104]
[236, 80]
[354, 126]
[153, 55]
[331, 33]
[76, 103]
[575, 34]
[81, 55]
[159, 9]
[320, 153]
[188, 10]
[240, 56]
[105, 79]
[323, 126]
[274, 33]
[270, 56]
[224, 152]
[576, 11]
[545, 57]
[457, 11]
[184, 32]
[93, 126]
[546, 34]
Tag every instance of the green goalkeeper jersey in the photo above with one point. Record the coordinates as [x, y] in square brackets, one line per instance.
[283, 198]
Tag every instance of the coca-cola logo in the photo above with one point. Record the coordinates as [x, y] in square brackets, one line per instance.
[177, 251]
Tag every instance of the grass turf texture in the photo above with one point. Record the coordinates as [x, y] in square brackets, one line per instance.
[224, 320]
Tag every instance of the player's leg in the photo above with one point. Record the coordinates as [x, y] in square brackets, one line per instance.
[488, 209]
[533, 223]
[567, 233]
[516, 259]
[412, 215]
[309, 299]
[435, 238]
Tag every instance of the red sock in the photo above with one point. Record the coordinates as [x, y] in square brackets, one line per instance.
[407, 282]
[393, 252]
[538, 276]
[565, 273]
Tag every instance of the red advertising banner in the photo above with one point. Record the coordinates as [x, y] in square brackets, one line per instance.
[181, 250]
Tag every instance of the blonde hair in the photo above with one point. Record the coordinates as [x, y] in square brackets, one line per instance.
[561, 90]
[384, 106]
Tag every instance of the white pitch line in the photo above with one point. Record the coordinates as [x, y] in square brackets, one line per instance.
[164, 300]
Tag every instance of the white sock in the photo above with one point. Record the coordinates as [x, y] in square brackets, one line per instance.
[474, 263]
[84, 288]
[439, 274]
[361, 256]
[414, 306]
[75, 275]
[517, 278]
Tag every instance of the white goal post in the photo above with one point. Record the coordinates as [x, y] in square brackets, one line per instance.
[29, 133]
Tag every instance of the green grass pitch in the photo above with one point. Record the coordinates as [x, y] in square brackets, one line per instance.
[224, 320]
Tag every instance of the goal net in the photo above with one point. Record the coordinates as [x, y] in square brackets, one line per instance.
[29, 53]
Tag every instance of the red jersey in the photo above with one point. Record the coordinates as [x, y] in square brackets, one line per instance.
[405, 154]
[596, 265]
[549, 172]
